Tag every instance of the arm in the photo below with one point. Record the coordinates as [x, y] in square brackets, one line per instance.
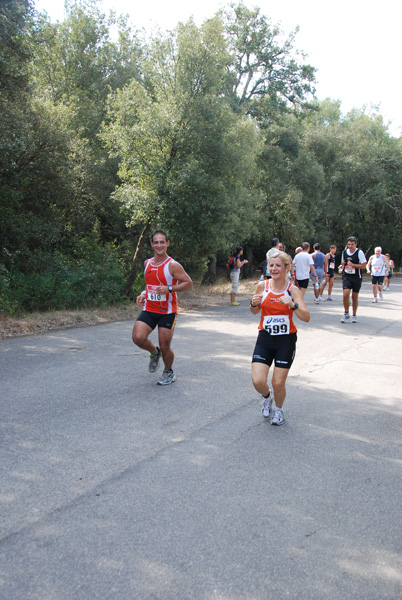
[326, 264]
[141, 298]
[184, 281]
[255, 302]
[240, 263]
[297, 298]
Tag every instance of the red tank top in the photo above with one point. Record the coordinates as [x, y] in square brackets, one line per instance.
[156, 275]
[276, 318]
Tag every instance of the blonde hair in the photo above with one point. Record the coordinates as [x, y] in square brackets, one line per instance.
[285, 258]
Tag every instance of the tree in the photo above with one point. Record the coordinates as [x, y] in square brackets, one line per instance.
[265, 74]
[185, 157]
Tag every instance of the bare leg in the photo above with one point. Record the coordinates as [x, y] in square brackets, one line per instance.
[355, 302]
[259, 376]
[141, 331]
[346, 297]
[278, 383]
[165, 338]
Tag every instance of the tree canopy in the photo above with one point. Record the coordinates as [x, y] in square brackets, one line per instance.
[211, 132]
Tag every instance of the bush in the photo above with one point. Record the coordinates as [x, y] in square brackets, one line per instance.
[96, 283]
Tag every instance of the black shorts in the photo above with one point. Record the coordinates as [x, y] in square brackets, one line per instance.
[156, 319]
[377, 279]
[303, 283]
[351, 284]
[331, 273]
[281, 348]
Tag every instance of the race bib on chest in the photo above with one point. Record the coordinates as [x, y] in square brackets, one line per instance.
[332, 265]
[279, 325]
[376, 270]
[153, 295]
[350, 270]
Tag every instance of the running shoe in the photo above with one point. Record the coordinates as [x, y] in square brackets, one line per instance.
[167, 378]
[374, 300]
[354, 319]
[345, 317]
[266, 405]
[235, 304]
[329, 299]
[316, 301]
[380, 295]
[154, 359]
[277, 418]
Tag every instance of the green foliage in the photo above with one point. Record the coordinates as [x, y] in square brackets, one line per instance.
[209, 132]
[95, 282]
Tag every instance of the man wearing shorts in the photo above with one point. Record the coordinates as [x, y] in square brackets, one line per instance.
[319, 262]
[304, 265]
[329, 270]
[378, 264]
[353, 262]
[163, 277]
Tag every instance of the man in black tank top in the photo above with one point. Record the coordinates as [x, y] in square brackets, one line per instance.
[353, 261]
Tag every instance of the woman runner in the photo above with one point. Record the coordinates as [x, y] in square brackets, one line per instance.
[277, 299]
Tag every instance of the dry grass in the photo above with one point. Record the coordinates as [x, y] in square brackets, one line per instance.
[200, 296]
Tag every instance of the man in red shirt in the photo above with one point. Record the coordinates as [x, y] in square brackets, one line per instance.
[163, 277]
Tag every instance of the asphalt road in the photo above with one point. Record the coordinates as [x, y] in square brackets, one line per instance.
[114, 487]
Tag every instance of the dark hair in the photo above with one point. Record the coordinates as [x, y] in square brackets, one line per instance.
[274, 242]
[305, 245]
[237, 250]
[317, 246]
[162, 232]
[352, 238]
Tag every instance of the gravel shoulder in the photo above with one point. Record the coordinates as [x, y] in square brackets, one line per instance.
[37, 323]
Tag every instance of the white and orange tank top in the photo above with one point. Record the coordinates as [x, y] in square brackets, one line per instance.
[156, 275]
[276, 318]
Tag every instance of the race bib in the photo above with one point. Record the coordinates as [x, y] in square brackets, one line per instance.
[332, 265]
[153, 295]
[278, 325]
[376, 270]
[350, 270]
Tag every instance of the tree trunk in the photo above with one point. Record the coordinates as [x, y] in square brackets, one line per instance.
[211, 272]
[248, 268]
[135, 268]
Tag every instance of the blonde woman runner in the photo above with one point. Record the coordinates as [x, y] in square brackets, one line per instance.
[278, 300]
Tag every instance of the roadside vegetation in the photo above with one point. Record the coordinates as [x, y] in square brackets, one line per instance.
[212, 133]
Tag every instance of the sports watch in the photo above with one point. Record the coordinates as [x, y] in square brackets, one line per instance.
[295, 307]
[170, 288]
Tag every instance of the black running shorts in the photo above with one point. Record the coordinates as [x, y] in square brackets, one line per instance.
[351, 284]
[156, 319]
[281, 348]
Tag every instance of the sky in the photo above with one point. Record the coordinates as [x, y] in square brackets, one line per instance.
[355, 45]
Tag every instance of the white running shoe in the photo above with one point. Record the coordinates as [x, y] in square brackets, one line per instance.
[354, 319]
[277, 418]
[167, 377]
[380, 295]
[345, 317]
[266, 405]
[154, 358]
[329, 299]
[374, 301]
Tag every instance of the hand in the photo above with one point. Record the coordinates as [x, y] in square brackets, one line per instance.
[256, 300]
[140, 299]
[286, 300]
[162, 289]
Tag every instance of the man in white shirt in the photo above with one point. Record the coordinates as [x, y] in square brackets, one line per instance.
[353, 262]
[304, 265]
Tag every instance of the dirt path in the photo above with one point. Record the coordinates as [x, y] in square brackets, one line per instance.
[35, 323]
